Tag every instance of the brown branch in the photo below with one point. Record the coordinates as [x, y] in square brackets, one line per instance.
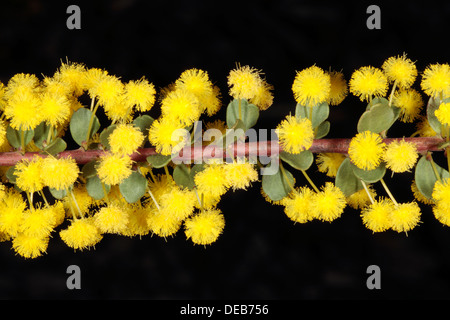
[266, 148]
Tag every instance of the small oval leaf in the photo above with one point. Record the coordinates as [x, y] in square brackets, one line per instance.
[425, 176]
[275, 186]
[346, 179]
[79, 125]
[301, 161]
[133, 187]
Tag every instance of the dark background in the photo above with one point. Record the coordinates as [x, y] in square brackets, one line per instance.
[262, 254]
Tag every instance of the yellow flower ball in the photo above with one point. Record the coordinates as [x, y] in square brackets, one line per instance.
[400, 70]
[30, 247]
[436, 80]
[212, 180]
[311, 86]
[295, 135]
[360, 199]
[244, 82]
[112, 168]
[111, 219]
[59, 174]
[297, 206]
[29, 175]
[338, 88]
[205, 227]
[366, 150]
[368, 82]
[240, 175]
[167, 136]
[400, 156]
[329, 163]
[328, 204]
[81, 234]
[140, 94]
[410, 103]
[162, 222]
[125, 139]
[443, 113]
[376, 217]
[405, 217]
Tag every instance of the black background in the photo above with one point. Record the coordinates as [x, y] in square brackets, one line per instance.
[262, 254]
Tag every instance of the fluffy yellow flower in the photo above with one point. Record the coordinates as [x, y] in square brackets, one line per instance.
[329, 163]
[400, 156]
[297, 206]
[22, 109]
[74, 75]
[125, 139]
[376, 217]
[29, 174]
[360, 199]
[244, 82]
[181, 106]
[160, 185]
[112, 168]
[212, 180]
[54, 109]
[204, 228]
[81, 234]
[22, 84]
[12, 213]
[167, 136]
[240, 175]
[338, 88]
[111, 219]
[162, 222]
[410, 102]
[59, 174]
[366, 150]
[295, 135]
[441, 194]
[30, 247]
[91, 77]
[212, 102]
[197, 82]
[368, 82]
[443, 113]
[180, 202]
[436, 80]
[263, 98]
[405, 217]
[137, 221]
[38, 223]
[141, 94]
[55, 87]
[311, 86]
[328, 204]
[400, 70]
[108, 90]
[3, 127]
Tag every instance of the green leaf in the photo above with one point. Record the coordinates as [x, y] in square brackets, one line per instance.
[182, 176]
[41, 134]
[300, 161]
[275, 186]
[370, 176]
[94, 188]
[58, 194]
[322, 130]
[249, 113]
[104, 135]
[319, 113]
[144, 123]
[79, 125]
[425, 176]
[89, 169]
[10, 174]
[133, 187]
[379, 117]
[14, 137]
[58, 145]
[158, 160]
[346, 180]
